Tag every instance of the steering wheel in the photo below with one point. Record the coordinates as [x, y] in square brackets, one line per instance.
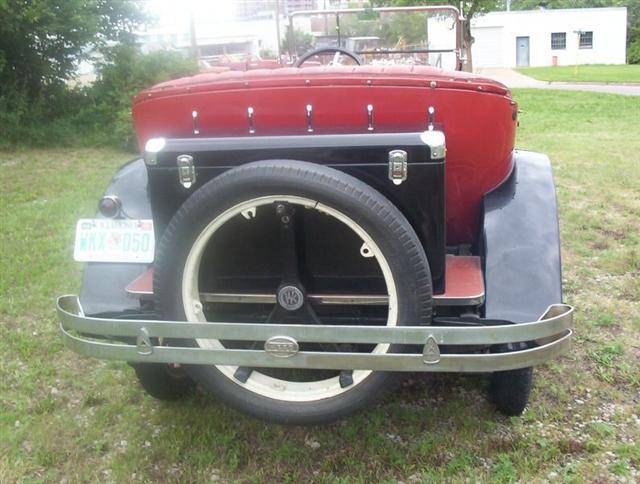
[323, 50]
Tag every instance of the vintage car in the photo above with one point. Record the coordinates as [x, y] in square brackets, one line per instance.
[295, 240]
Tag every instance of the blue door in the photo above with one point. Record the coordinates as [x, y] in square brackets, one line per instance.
[522, 51]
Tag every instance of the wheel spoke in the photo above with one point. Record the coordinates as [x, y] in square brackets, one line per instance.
[243, 373]
[289, 246]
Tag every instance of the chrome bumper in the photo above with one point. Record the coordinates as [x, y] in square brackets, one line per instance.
[552, 333]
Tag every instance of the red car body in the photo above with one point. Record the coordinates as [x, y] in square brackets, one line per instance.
[477, 115]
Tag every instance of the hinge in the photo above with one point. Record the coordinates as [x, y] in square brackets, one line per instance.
[397, 166]
[186, 170]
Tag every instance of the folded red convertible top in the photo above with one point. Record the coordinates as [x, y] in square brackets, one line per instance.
[324, 76]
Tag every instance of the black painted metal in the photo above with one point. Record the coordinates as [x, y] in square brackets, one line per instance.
[521, 242]
[364, 156]
[103, 284]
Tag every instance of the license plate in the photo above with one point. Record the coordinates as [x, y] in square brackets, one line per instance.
[108, 240]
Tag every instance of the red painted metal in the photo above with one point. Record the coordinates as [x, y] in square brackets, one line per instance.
[464, 278]
[142, 285]
[476, 114]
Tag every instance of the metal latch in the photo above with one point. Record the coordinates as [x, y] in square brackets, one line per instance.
[397, 166]
[186, 170]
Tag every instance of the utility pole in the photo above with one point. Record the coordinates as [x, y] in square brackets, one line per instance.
[192, 34]
[278, 31]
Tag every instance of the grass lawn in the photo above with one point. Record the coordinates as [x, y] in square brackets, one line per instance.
[586, 73]
[64, 416]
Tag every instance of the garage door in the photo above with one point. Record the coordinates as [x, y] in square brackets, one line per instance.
[487, 50]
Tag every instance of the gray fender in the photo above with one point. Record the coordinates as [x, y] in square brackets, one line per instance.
[521, 242]
[103, 284]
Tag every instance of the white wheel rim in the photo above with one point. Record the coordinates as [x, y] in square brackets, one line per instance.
[258, 382]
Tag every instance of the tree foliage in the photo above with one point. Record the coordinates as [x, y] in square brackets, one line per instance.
[42, 41]
[298, 40]
[123, 73]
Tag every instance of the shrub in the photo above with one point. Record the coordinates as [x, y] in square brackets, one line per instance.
[633, 51]
[124, 73]
[96, 114]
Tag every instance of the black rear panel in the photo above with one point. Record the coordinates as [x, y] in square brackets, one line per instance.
[421, 198]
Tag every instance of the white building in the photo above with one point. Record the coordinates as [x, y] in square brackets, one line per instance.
[549, 37]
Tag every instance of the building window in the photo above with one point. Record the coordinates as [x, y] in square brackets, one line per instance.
[558, 40]
[586, 40]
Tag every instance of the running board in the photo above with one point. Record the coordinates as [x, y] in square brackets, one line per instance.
[464, 286]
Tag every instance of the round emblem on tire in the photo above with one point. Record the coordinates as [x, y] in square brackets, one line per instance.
[290, 298]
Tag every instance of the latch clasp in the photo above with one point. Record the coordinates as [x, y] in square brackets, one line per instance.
[397, 166]
[186, 170]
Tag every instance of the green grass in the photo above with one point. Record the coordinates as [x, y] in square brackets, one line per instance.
[609, 73]
[64, 416]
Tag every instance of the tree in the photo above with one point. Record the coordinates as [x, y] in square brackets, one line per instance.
[470, 8]
[42, 41]
[124, 72]
[299, 40]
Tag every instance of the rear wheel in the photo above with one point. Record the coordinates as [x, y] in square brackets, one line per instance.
[292, 242]
[510, 390]
[164, 382]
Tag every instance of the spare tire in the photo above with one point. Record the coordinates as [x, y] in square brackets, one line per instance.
[265, 191]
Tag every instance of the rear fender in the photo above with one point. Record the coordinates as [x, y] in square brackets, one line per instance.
[103, 283]
[521, 242]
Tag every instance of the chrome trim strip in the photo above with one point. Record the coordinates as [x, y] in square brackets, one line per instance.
[557, 319]
[266, 298]
[356, 299]
[134, 292]
[309, 109]
[475, 300]
[194, 117]
[252, 122]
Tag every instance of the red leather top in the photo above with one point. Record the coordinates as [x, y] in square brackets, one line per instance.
[397, 75]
